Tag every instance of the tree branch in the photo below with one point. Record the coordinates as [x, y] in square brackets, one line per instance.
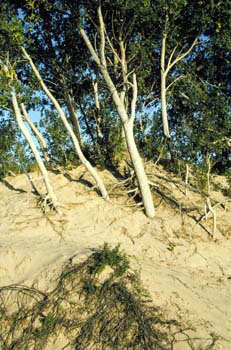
[163, 51]
[171, 55]
[111, 86]
[181, 56]
[173, 82]
[102, 37]
[90, 47]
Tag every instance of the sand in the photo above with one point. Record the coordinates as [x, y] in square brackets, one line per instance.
[186, 272]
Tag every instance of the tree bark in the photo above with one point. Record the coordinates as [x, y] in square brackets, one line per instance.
[164, 89]
[98, 118]
[74, 117]
[50, 191]
[35, 132]
[75, 141]
[139, 170]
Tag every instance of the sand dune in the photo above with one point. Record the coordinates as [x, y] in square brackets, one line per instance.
[185, 271]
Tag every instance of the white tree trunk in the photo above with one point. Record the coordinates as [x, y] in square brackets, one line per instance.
[98, 117]
[74, 117]
[35, 132]
[38, 159]
[163, 75]
[139, 170]
[127, 122]
[75, 141]
[164, 70]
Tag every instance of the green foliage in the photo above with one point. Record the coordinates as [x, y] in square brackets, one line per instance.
[198, 103]
[200, 173]
[111, 257]
[11, 30]
[58, 139]
[111, 147]
[12, 156]
[48, 325]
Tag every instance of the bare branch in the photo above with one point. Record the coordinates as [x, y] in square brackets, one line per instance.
[111, 86]
[182, 56]
[113, 49]
[171, 56]
[90, 47]
[131, 58]
[173, 82]
[163, 51]
[102, 37]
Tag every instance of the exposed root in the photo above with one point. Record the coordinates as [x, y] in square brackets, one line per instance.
[129, 188]
[97, 304]
[46, 203]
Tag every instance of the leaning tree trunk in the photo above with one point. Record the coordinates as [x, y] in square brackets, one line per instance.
[35, 132]
[139, 170]
[98, 117]
[74, 117]
[79, 152]
[130, 142]
[51, 197]
[127, 121]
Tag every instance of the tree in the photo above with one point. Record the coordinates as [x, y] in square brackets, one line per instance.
[81, 156]
[121, 104]
[50, 199]
[176, 54]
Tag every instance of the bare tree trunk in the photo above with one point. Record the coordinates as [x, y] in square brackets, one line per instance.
[74, 117]
[51, 195]
[164, 70]
[119, 102]
[164, 89]
[35, 132]
[186, 178]
[123, 94]
[79, 152]
[213, 212]
[139, 170]
[98, 116]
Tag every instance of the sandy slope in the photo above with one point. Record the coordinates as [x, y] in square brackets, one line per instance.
[185, 271]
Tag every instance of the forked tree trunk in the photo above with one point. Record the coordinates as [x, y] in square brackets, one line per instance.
[75, 141]
[127, 121]
[164, 70]
[35, 132]
[50, 191]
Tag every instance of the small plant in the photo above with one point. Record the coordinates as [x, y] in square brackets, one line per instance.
[201, 179]
[112, 257]
[48, 325]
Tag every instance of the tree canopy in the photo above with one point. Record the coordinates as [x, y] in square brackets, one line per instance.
[197, 58]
